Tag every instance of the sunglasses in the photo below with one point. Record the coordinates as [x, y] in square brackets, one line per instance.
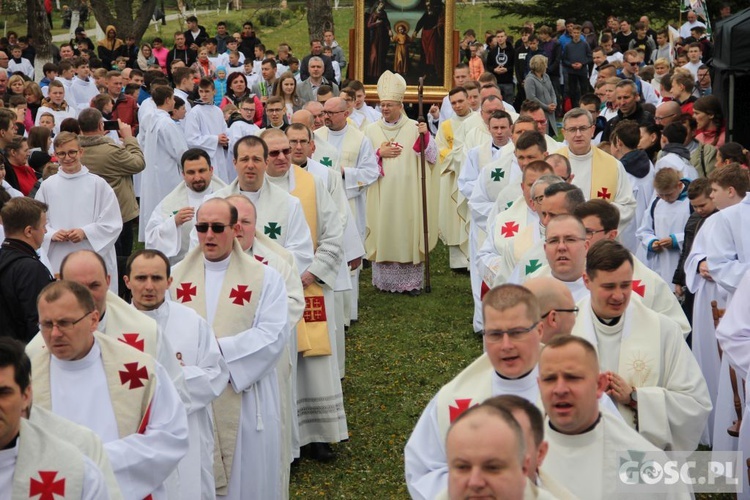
[276, 152]
[216, 227]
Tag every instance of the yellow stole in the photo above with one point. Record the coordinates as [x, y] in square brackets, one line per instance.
[447, 128]
[238, 302]
[46, 465]
[315, 318]
[130, 378]
[604, 174]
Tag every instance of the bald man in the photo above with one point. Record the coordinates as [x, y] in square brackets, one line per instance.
[324, 153]
[668, 112]
[556, 302]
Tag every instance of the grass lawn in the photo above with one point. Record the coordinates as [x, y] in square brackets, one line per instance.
[402, 350]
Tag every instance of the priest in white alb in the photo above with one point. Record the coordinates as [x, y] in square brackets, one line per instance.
[83, 210]
[587, 447]
[245, 302]
[653, 376]
[168, 229]
[120, 393]
[163, 143]
[147, 276]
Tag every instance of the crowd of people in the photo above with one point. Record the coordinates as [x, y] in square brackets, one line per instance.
[210, 361]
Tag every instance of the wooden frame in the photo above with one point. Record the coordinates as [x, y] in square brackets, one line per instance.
[384, 40]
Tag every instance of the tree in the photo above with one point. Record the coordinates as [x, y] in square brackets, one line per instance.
[39, 25]
[594, 10]
[129, 17]
[319, 18]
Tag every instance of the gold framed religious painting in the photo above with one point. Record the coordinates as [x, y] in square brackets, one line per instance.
[414, 38]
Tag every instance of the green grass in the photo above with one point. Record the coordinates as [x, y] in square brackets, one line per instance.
[402, 350]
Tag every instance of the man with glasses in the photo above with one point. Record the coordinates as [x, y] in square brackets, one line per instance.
[556, 304]
[279, 214]
[121, 394]
[652, 375]
[601, 220]
[172, 219]
[245, 303]
[630, 67]
[275, 115]
[318, 281]
[565, 249]
[596, 173]
[312, 116]
[89, 220]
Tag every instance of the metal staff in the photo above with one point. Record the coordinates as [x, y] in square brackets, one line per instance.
[421, 119]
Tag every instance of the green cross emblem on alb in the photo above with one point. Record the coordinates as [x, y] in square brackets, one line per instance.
[532, 266]
[326, 161]
[273, 230]
[497, 174]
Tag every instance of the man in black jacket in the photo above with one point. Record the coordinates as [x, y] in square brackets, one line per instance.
[180, 51]
[629, 108]
[22, 274]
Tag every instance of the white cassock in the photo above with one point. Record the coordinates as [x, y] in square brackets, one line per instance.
[37, 447]
[705, 347]
[163, 143]
[643, 192]
[676, 162]
[141, 462]
[728, 249]
[279, 216]
[59, 114]
[588, 464]
[81, 200]
[664, 220]
[649, 352]
[82, 91]
[240, 129]
[357, 159]
[206, 376]
[733, 333]
[203, 124]
[251, 356]
[478, 158]
[162, 232]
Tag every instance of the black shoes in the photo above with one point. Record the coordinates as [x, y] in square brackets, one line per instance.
[322, 452]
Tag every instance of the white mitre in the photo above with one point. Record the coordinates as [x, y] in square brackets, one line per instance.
[391, 87]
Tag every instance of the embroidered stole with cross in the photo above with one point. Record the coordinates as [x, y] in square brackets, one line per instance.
[235, 312]
[314, 321]
[46, 465]
[470, 387]
[130, 378]
[604, 174]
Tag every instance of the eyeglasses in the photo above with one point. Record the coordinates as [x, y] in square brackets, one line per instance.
[573, 310]
[568, 240]
[216, 227]
[274, 110]
[660, 118]
[329, 113]
[514, 335]
[72, 153]
[63, 325]
[577, 130]
[276, 152]
[591, 232]
[248, 110]
[298, 142]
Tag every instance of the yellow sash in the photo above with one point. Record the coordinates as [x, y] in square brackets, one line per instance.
[447, 128]
[315, 329]
[604, 174]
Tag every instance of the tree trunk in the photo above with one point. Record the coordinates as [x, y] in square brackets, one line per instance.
[319, 18]
[38, 24]
[127, 16]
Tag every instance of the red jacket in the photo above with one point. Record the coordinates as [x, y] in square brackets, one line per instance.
[126, 109]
